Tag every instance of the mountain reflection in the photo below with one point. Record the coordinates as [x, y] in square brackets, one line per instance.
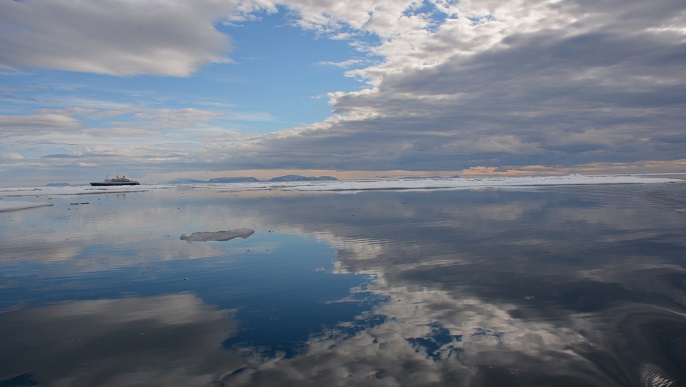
[571, 286]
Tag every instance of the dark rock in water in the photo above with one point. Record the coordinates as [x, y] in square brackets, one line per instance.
[233, 180]
[207, 236]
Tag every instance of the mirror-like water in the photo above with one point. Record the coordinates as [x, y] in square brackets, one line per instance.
[567, 285]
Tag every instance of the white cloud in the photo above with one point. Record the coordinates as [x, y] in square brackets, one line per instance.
[113, 37]
[178, 118]
[38, 123]
[496, 83]
[11, 156]
[451, 85]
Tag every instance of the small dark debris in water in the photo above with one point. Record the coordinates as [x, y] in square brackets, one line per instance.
[73, 204]
[85, 203]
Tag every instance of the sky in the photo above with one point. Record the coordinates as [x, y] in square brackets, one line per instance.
[159, 89]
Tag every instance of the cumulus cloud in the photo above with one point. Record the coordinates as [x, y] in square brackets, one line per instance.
[493, 83]
[112, 37]
[448, 85]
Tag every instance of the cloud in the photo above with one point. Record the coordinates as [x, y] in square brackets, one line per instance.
[493, 83]
[448, 85]
[10, 156]
[38, 123]
[343, 64]
[112, 37]
[178, 118]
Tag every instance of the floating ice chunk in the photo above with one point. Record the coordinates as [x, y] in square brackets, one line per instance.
[475, 183]
[207, 236]
[20, 205]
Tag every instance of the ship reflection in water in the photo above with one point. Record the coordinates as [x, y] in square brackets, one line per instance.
[553, 286]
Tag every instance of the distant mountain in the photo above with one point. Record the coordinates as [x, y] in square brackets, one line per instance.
[185, 180]
[302, 178]
[58, 185]
[421, 177]
[233, 180]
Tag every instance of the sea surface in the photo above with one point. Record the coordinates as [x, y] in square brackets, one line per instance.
[579, 285]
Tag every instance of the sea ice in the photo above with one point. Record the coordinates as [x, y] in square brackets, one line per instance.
[207, 236]
[20, 205]
[342, 186]
[482, 182]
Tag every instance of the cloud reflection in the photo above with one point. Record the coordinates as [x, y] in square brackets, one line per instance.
[468, 287]
[491, 288]
[164, 340]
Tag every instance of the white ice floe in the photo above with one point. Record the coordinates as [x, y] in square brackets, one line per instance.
[72, 190]
[219, 236]
[357, 185]
[13, 205]
[471, 183]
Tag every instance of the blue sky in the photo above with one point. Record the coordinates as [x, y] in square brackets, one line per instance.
[163, 89]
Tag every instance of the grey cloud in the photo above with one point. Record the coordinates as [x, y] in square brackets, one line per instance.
[62, 156]
[602, 82]
[111, 37]
[607, 87]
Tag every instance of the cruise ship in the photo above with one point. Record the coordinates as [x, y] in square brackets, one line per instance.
[115, 181]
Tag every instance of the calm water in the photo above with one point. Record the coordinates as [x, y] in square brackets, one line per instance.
[555, 286]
